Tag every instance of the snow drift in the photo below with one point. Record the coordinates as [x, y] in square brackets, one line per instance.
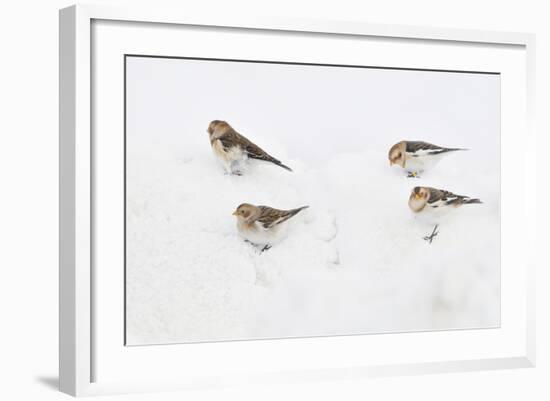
[354, 262]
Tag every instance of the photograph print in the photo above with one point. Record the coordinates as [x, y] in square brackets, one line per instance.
[271, 200]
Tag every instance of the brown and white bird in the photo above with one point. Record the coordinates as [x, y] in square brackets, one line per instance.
[233, 150]
[263, 225]
[432, 204]
[417, 156]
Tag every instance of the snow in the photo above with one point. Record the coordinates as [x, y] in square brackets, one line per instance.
[354, 261]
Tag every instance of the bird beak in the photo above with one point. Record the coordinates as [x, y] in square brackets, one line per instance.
[234, 213]
[417, 196]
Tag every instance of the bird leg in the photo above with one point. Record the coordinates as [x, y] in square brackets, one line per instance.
[235, 168]
[413, 174]
[257, 246]
[237, 173]
[434, 233]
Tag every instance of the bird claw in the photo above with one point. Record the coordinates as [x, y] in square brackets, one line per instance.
[434, 233]
[257, 246]
[413, 175]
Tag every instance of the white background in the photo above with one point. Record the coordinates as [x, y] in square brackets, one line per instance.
[171, 101]
[28, 205]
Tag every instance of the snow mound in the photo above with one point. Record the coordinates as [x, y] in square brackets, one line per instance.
[353, 262]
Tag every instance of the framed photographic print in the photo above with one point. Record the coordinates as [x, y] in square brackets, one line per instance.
[277, 200]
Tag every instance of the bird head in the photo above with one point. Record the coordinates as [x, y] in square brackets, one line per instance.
[216, 126]
[246, 212]
[418, 199]
[396, 155]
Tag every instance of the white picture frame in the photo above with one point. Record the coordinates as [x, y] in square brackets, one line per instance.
[80, 342]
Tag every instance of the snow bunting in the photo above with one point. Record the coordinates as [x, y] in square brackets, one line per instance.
[262, 225]
[433, 203]
[417, 156]
[233, 149]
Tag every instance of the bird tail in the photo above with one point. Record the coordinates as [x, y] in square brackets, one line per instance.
[455, 149]
[473, 201]
[267, 158]
[294, 212]
[278, 163]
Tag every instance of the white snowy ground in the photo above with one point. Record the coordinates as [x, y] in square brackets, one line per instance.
[354, 262]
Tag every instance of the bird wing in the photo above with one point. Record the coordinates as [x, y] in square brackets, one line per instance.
[232, 138]
[255, 152]
[441, 197]
[421, 148]
[270, 217]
